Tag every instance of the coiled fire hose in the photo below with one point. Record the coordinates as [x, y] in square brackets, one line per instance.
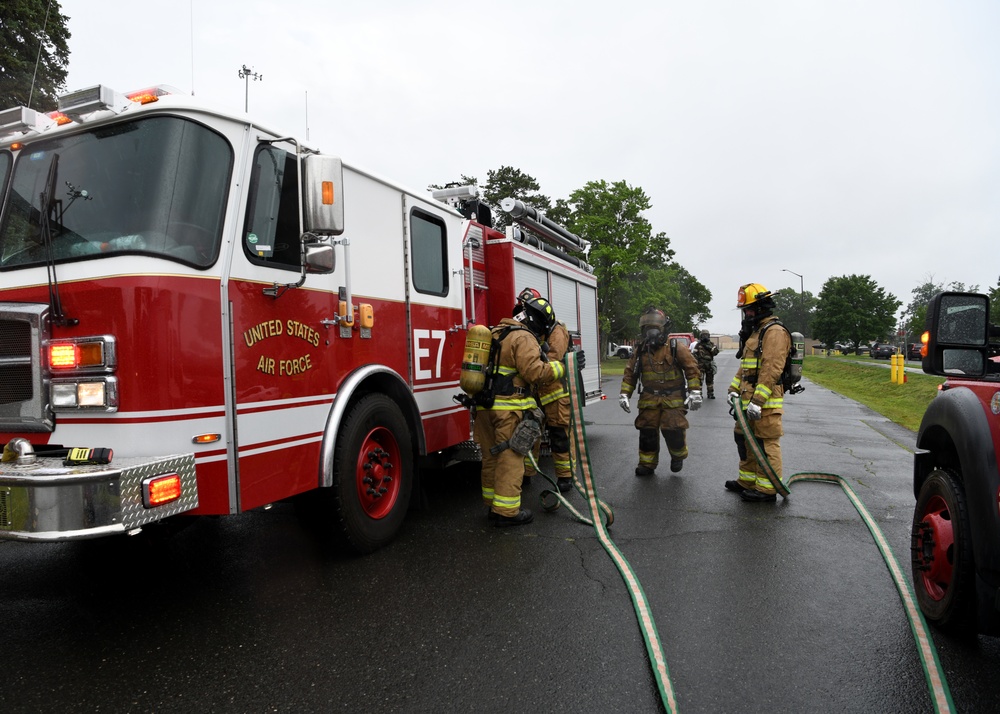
[936, 682]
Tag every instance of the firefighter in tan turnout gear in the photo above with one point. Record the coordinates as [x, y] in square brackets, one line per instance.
[704, 353]
[554, 400]
[661, 367]
[762, 356]
[522, 365]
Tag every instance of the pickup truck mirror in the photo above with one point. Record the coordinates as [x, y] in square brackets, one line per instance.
[957, 334]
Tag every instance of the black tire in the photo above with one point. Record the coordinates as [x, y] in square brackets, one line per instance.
[374, 443]
[943, 562]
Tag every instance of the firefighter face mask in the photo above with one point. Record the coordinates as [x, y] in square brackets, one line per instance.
[654, 335]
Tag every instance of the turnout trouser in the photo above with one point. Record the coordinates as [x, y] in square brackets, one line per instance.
[768, 432]
[502, 472]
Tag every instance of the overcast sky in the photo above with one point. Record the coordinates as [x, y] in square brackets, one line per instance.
[825, 138]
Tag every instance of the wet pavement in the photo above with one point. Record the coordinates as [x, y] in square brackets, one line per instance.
[785, 607]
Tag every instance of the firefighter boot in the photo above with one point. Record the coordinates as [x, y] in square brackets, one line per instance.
[754, 496]
[676, 465]
[564, 484]
[641, 470]
[736, 485]
[523, 517]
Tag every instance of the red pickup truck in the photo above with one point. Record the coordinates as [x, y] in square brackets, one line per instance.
[956, 477]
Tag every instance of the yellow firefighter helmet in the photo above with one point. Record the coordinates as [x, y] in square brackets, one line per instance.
[750, 294]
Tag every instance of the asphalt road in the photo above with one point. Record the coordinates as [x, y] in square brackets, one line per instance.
[782, 607]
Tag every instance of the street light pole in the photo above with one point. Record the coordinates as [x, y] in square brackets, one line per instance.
[802, 297]
[247, 74]
[802, 285]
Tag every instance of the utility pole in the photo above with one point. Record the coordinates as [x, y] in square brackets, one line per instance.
[247, 74]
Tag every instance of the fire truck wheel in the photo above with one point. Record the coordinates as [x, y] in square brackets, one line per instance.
[943, 566]
[373, 474]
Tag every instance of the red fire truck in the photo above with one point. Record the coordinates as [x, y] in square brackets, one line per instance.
[199, 315]
[956, 471]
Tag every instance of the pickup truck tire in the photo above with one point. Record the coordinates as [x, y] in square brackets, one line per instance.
[943, 565]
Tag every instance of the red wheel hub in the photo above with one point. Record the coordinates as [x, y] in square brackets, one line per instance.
[377, 472]
[934, 548]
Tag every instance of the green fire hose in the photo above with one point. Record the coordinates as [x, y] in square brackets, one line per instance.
[936, 682]
[584, 482]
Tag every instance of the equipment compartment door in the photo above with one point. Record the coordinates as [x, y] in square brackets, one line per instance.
[434, 294]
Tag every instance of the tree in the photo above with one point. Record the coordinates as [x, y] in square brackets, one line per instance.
[691, 308]
[795, 310]
[634, 267]
[995, 303]
[33, 49]
[629, 260]
[915, 315]
[508, 182]
[854, 309]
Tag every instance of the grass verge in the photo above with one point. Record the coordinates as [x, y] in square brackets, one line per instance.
[869, 384]
[860, 379]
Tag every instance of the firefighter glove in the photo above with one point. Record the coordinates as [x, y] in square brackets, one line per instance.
[581, 360]
[753, 411]
[694, 401]
[623, 401]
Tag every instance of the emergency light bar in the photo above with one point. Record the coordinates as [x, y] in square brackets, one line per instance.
[22, 119]
[462, 193]
[91, 99]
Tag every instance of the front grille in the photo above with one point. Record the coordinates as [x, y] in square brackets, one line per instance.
[15, 361]
[24, 328]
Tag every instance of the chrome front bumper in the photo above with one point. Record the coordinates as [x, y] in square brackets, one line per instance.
[46, 501]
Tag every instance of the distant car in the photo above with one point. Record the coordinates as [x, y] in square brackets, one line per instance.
[624, 352]
[685, 338]
[914, 351]
[883, 351]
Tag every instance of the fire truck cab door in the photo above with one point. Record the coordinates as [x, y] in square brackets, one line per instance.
[282, 382]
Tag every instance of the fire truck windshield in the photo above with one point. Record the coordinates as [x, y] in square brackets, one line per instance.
[155, 186]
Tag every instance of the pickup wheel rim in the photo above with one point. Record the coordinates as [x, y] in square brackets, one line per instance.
[937, 548]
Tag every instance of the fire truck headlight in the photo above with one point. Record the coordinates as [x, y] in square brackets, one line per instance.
[74, 394]
[64, 395]
[92, 394]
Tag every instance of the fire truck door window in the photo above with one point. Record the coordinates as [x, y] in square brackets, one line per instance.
[271, 231]
[428, 254]
[153, 186]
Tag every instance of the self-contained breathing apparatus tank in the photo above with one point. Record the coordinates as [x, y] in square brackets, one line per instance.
[477, 353]
[798, 350]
